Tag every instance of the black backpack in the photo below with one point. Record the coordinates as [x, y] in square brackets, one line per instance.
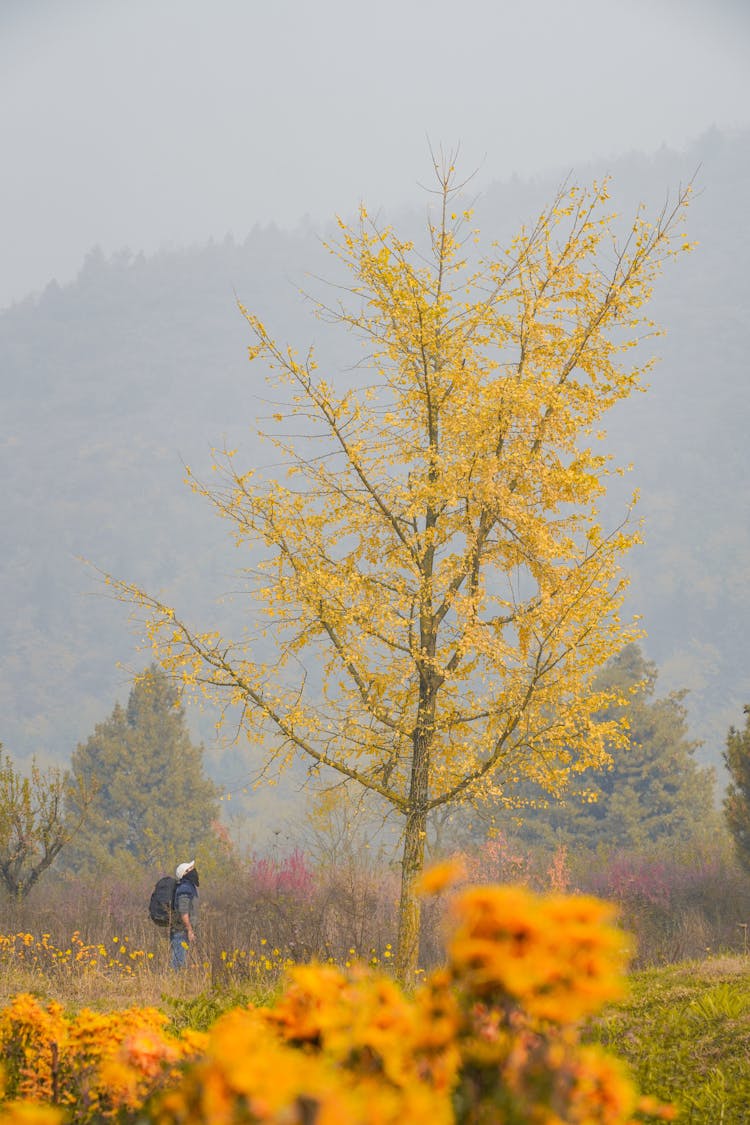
[162, 901]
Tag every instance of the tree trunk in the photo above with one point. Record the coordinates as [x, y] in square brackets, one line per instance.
[410, 907]
[415, 831]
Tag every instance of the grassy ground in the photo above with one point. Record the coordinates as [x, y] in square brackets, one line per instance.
[685, 1030]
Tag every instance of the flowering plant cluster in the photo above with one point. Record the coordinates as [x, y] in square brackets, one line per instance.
[40, 961]
[493, 1036]
[91, 1066]
[40, 955]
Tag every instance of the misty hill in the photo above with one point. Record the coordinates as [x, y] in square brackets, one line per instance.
[112, 383]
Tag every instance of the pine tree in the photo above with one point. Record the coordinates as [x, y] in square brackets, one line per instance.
[153, 804]
[737, 799]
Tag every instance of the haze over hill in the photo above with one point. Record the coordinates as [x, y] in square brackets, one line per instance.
[114, 381]
[150, 124]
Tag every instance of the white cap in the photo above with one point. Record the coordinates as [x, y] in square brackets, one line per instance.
[183, 868]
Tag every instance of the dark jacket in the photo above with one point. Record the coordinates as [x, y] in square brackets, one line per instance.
[185, 902]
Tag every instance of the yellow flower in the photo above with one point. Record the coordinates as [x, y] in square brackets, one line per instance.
[30, 1113]
[440, 876]
[560, 957]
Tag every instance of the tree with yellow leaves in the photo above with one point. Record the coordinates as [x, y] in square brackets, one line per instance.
[436, 579]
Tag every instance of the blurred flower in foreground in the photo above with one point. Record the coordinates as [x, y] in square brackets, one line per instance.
[441, 876]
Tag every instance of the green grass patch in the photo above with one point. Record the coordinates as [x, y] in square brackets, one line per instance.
[200, 1012]
[685, 1031]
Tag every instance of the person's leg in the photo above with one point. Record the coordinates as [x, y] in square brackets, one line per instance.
[178, 950]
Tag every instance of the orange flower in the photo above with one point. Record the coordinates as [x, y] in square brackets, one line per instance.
[29, 1113]
[603, 1089]
[652, 1107]
[440, 876]
[559, 958]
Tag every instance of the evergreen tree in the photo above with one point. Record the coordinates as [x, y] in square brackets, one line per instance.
[654, 790]
[737, 799]
[153, 803]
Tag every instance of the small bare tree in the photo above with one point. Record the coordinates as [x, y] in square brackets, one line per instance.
[33, 825]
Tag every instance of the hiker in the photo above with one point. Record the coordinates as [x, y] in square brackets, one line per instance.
[184, 915]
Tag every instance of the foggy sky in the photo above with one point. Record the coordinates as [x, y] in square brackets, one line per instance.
[144, 123]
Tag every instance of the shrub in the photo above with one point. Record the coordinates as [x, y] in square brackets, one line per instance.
[679, 905]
